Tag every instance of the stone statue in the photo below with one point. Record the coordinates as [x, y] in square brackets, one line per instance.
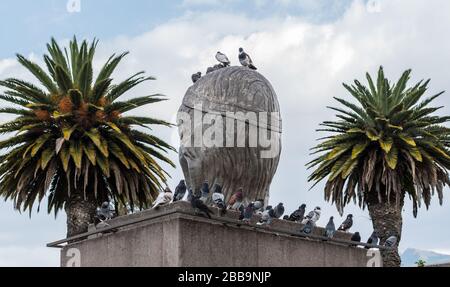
[230, 130]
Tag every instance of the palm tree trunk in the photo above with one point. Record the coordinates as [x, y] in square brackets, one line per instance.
[80, 213]
[387, 221]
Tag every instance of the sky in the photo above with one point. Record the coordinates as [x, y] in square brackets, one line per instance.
[305, 48]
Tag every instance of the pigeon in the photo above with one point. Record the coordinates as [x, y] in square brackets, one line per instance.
[373, 239]
[200, 206]
[235, 201]
[205, 191]
[298, 215]
[180, 191]
[163, 198]
[330, 228]
[258, 206]
[105, 212]
[222, 58]
[245, 59]
[286, 217]
[266, 219]
[195, 77]
[278, 211]
[313, 216]
[218, 198]
[247, 213]
[308, 228]
[347, 224]
[356, 237]
[391, 241]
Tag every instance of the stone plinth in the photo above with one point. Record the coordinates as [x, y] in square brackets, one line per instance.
[173, 236]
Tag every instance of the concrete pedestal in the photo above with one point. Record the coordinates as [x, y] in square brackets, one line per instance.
[173, 236]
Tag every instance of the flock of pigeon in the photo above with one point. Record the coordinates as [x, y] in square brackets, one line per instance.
[223, 60]
[216, 198]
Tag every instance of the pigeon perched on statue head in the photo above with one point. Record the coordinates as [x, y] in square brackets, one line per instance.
[245, 59]
[180, 191]
[330, 228]
[199, 206]
[347, 224]
[298, 215]
[313, 216]
[195, 77]
[391, 241]
[356, 237]
[223, 59]
[278, 211]
[266, 218]
[373, 239]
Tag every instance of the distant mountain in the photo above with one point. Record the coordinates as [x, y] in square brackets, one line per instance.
[410, 257]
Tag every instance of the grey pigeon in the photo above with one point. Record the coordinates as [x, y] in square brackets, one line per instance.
[313, 216]
[373, 239]
[222, 58]
[180, 191]
[391, 241]
[347, 224]
[205, 191]
[105, 212]
[258, 206]
[308, 228]
[266, 219]
[218, 198]
[195, 77]
[286, 217]
[245, 59]
[330, 228]
[200, 206]
[298, 215]
[356, 237]
[247, 213]
[278, 211]
[163, 198]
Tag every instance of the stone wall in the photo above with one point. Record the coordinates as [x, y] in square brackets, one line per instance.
[173, 236]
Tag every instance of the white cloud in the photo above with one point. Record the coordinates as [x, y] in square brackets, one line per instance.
[6, 64]
[306, 63]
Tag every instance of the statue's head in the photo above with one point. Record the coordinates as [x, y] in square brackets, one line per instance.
[230, 131]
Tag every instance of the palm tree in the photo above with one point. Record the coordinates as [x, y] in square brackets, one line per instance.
[388, 144]
[74, 142]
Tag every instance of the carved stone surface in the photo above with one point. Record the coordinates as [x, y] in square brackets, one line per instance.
[230, 89]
